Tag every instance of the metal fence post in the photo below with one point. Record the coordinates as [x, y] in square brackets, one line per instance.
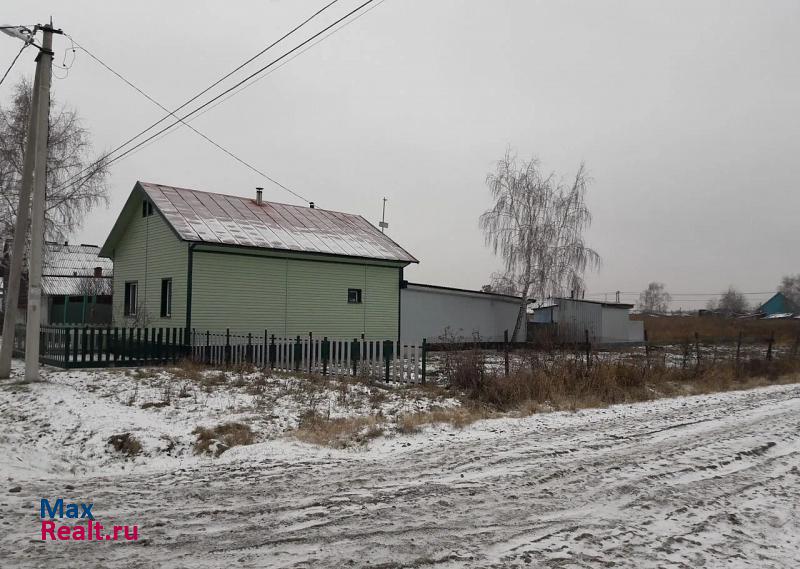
[227, 346]
[505, 350]
[249, 353]
[588, 348]
[297, 348]
[424, 359]
[387, 356]
[769, 345]
[272, 352]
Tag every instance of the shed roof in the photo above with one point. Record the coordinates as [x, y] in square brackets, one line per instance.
[64, 266]
[222, 219]
[600, 302]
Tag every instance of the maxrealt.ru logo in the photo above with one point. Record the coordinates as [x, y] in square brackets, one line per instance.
[92, 531]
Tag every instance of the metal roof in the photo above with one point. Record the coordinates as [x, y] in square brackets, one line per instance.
[74, 260]
[234, 220]
[600, 302]
[64, 266]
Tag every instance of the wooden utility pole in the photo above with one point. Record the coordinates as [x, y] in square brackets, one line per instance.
[44, 67]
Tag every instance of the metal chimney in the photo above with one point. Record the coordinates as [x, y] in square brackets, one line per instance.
[259, 194]
[311, 205]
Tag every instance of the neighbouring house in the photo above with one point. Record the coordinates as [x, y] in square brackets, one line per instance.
[445, 314]
[778, 305]
[197, 260]
[76, 284]
[605, 322]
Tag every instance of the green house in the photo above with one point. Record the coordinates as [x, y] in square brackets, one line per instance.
[207, 261]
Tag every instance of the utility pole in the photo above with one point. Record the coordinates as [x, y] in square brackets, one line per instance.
[383, 225]
[20, 240]
[20, 237]
[44, 67]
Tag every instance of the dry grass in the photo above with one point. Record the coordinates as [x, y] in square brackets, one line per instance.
[338, 433]
[567, 383]
[457, 417]
[125, 443]
[216, 440]
[676, 329]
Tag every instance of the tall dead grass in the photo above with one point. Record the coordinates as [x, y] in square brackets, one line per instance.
[676, 329]
[562, 382]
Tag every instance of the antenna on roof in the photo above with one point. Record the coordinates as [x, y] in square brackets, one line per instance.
[382, 224]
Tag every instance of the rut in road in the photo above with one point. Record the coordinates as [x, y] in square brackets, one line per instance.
[710, 480]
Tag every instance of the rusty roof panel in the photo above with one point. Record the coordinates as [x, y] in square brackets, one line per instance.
[232, 220]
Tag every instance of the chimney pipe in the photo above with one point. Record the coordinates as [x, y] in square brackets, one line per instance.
[259, 193]
[311, 205]
[98, 272]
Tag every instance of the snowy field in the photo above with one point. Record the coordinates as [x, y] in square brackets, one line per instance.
[706, 481]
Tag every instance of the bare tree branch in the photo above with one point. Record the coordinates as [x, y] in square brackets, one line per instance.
[536, 225]
[69, 148]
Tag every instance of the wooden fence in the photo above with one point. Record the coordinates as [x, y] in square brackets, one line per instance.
[71, 347]
[386, 360]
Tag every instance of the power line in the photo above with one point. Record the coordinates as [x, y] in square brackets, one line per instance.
[207, 103]
[172, 113]
[263, 76]
[74, 179]
[295, 56]
[13, 62]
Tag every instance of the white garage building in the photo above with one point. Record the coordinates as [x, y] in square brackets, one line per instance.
[433, 312]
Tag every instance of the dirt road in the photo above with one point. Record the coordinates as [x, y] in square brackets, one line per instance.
[708, 481]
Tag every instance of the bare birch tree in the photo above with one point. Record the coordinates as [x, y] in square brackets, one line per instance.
[68, 153]
[537, 225]
[655, 299]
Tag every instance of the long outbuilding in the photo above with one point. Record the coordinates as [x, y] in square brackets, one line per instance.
[447, 314]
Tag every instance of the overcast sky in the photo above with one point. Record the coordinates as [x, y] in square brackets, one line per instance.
[687, 115]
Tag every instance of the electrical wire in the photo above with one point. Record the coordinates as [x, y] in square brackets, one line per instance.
[74, 178]
[172, 113]
[13, 62]
[225, 92]
[264, 76]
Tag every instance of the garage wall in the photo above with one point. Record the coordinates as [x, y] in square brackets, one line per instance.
[616, 325]
[428, 312]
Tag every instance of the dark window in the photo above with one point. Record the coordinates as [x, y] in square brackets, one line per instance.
[354, 296]
[147, 208]
[131, 289]
[166, 298]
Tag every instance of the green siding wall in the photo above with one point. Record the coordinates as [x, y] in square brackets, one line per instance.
[289, 296]
[148, 252]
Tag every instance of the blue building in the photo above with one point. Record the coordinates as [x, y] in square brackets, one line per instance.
[778, 304]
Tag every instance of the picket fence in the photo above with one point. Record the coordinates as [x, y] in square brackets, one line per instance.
[71, 347]
[385, 360]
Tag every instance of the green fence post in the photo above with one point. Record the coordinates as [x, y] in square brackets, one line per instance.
[387, 357]
[297, 348]
[66, 347]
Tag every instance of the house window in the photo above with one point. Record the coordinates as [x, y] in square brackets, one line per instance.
[147, 208]
[131, 295]
[166, 298]
[353, 296]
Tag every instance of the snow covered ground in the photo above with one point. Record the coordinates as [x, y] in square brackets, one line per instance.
[707, 481]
